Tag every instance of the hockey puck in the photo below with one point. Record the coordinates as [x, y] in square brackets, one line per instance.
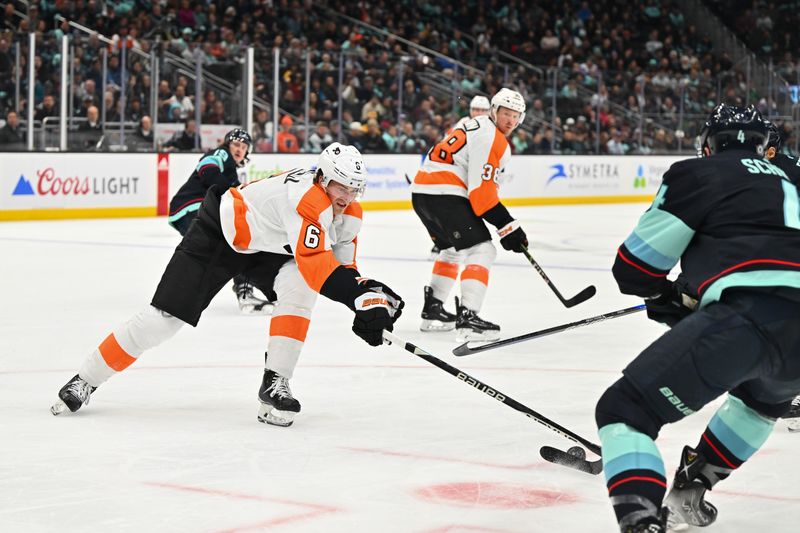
[578, 452]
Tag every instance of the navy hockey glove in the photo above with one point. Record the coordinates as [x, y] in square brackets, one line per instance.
[376, 307]
[671, 306]
[512, 237]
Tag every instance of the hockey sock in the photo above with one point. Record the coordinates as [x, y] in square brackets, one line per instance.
[635, 474]
[146, 329]
[445, 273]
[734, 434]
[475, 276]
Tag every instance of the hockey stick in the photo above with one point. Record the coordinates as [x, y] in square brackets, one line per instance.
[575, 458]
[464, 349]
[391, 338]
[581, 297]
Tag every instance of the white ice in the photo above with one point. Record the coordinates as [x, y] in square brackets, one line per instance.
[385, 442]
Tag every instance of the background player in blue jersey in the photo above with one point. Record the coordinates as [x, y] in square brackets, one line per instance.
[732, 219]
[219, 167]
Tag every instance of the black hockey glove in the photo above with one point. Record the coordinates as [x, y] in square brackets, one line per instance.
[377, 307]
[672, 306]
[512, 237]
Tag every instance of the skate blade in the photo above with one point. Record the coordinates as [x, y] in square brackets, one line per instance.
[269, 415]
[256, 309]
[437, 325]
[466, 335]
[58, 408]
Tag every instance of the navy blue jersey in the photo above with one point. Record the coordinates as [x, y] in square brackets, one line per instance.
[789, 164]
[216, 167]
[731, 219]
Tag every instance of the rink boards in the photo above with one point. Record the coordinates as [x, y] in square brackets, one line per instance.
[48, 185]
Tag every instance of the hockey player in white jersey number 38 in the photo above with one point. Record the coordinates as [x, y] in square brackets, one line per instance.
[299, 227]
[454, 192]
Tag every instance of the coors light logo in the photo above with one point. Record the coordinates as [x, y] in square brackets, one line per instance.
[50, 183]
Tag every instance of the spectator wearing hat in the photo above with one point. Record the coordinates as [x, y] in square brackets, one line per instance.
[355, 135]
[287, 141]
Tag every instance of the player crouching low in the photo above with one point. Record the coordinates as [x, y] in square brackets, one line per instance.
[297, 228]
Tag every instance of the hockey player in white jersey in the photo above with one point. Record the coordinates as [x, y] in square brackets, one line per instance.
[454, 192]
[298, 228]
[478, 106]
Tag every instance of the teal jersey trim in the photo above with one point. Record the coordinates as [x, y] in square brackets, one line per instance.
[791, 205]
[660, 238]
[217, 158]
[624, 448]
[755, 278]
[648, 254]
[188, 209]
[741, 429]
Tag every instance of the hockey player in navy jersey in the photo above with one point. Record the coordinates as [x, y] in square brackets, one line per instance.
[790, 165]
[732, 219]
[219, 167]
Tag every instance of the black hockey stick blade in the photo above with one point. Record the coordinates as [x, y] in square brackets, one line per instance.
[465, 349]
[581, 297]
[560, 457]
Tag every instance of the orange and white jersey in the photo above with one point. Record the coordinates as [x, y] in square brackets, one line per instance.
[460, 124]
[290, 214]
[468, 162]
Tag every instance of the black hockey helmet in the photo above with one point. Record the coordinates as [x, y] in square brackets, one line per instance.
[774, 136]
[240, 134]
[731, 126]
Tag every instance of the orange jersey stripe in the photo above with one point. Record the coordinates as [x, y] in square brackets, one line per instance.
[355, 210]
[242, 237]
[485, 196]
[448, 270]
[476, 272]
[441, 177]
[313, 260]
[113, 354]
[292, 326]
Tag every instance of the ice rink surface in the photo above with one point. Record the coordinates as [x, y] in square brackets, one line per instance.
[385, 441]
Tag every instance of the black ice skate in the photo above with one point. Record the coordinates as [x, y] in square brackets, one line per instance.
[249, 304]
[793, 416]
[471, 327]
[72, 396]
[685, 501]
[434, 316]
[278, 406]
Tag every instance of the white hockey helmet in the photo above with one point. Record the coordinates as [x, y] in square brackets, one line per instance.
[343, 164]
[480, 102]
[512, 100]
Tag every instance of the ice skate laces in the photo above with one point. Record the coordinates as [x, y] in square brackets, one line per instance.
[80, 389]
[280, 387]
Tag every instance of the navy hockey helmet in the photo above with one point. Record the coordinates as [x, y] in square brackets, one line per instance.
[240, 134]
[731, 126]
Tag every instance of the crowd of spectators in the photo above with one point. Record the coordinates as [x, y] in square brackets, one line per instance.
[602, 76]
[767, 28]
